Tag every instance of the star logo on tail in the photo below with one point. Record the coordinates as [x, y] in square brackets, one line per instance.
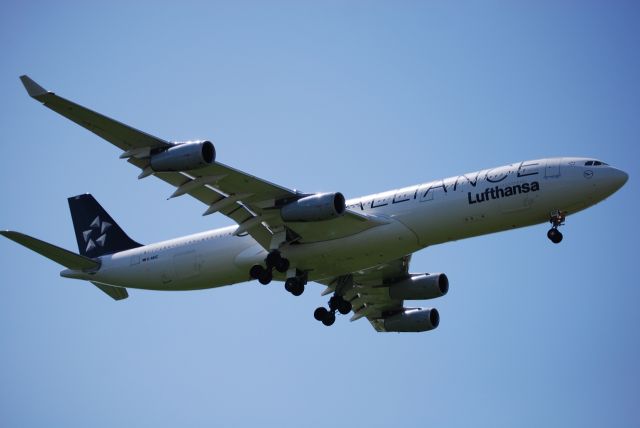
[99, 228]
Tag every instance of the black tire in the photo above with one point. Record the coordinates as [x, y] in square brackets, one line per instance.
[273, 258]
[333, 302]
[256, 271]
[291, 285]
[558, 238]
[265, 277]
[554, 236]
[320, 313]
[282, 265]
[329, 319]
[297, 289]
[344, 307]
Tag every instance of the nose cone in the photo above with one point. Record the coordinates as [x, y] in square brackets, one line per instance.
[615, 179]
[619, 177]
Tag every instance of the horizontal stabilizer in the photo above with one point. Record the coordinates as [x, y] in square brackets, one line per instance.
[116, 293]
[59, 255]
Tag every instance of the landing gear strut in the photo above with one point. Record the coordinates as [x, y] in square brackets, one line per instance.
[328, 316]
[557, 219]
[275, 261]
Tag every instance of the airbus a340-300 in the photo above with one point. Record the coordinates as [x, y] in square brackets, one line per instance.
[359, 249]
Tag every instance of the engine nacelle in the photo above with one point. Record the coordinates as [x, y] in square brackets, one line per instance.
[184, 157]
[422, 286]
[322, 206]
[413, 320]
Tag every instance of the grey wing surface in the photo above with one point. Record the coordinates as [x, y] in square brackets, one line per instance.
[248, 200]
[368, 290]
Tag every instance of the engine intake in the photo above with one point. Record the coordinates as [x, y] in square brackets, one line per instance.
[319, 207]
[413, 320]
[184, 157]
[422, 286]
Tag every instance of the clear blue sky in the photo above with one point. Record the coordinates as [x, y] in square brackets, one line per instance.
[355, 97]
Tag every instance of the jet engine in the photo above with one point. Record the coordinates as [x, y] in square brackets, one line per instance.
[420, 287]
[184, 157]
[413, 320]
[322, 206]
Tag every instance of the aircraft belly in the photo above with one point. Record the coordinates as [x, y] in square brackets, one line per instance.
[189, 267]
[340, 256]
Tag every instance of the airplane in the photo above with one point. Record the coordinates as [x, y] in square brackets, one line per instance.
[359, 249]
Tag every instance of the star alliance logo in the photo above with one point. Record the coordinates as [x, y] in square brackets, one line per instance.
[100, 227]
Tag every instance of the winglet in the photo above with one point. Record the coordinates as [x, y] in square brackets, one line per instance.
[33, 89]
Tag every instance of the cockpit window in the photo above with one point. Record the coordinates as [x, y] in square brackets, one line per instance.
[594, 163]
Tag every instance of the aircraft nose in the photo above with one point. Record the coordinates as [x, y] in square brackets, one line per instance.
[620, 177]
[616, 178]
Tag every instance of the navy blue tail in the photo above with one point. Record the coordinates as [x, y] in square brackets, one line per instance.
[96, 232]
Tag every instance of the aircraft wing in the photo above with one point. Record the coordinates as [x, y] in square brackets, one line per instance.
[246, 199]
[368, 290]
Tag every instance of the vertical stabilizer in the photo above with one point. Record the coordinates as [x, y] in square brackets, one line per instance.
[96, 232]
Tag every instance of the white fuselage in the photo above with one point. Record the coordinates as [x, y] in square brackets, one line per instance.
[415, 217]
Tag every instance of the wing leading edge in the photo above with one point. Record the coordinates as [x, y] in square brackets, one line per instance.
[248, 200]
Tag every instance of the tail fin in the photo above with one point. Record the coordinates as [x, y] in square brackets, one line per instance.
[96, 232]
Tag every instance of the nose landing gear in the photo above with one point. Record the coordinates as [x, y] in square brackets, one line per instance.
[328, 316]
[557, 219]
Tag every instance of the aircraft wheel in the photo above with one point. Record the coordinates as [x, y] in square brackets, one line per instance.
[272, 258]
[554, 235]
[265, 277]
[333, 302]
[344, 306]
[294, 286]
[282, 265]
[298, 289]
[256, 271]
[320, 313]
[329, 319]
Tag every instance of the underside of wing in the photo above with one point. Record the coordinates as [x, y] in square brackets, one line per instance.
[379, 294]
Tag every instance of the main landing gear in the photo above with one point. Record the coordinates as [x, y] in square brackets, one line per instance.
[328, 316]
[275, 261]
[557, 219]
[294, 285]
